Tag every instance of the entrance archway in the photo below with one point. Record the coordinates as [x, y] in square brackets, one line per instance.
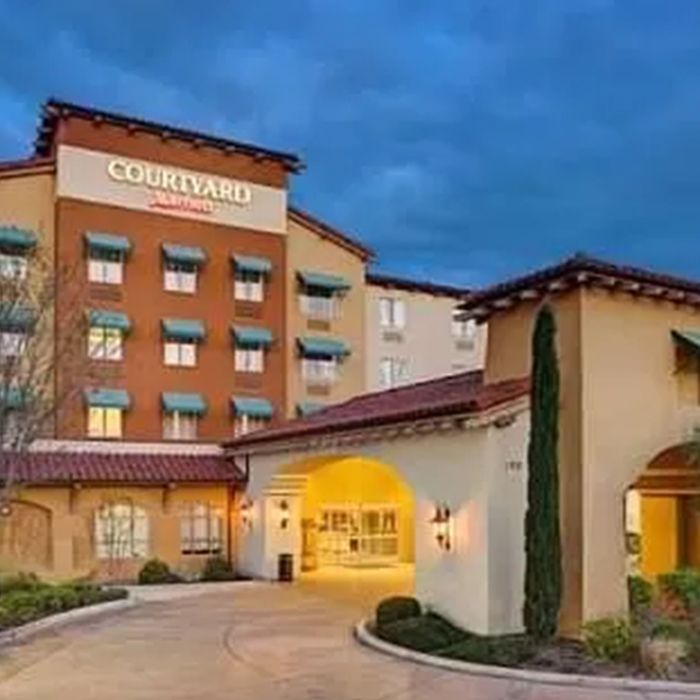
[663, 513]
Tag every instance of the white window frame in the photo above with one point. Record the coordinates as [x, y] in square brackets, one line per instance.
[201, 528]
[319, 307]
[105, 267]
[393, 372]
[249, 359]
[13, 343]
[179, 353]
[106, 428]
[248, 286]
[180, 277]
[392, 313]
[244, 424]
[121, 532]
[105, 343]
[464, 329]
[13, 266]
[180, 425]
[319, 370]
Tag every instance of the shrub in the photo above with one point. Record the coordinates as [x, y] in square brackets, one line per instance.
[507, 650]
[156, 571]
[217, 569]
[397, 608]
[684, 587]
[20, 582]
[640, 594]
[427, 633]
[663, 656]
[609, 639]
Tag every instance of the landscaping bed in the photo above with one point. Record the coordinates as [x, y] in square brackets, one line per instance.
[661, 640]
[24, 598]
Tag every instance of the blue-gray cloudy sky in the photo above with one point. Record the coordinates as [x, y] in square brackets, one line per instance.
[464, 141]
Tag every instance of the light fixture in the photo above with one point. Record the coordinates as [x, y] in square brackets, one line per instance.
[442, 525]
[5, 508]
[284, 514]
[246, 513]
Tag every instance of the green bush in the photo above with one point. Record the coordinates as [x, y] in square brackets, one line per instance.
[427, 633]
[20, 582]
[609, 639]
[684, 586]
[640, 595]
[397, 608]
[507, 650]
[217, 569]
[155, 571]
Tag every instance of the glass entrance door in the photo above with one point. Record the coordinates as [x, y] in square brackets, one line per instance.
[356, 534]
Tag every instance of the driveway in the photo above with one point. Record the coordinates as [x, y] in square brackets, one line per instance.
[245, 641]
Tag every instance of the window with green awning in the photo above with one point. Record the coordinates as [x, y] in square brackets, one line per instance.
[690, 339]
[108, 242]
[323, 347]
[107, 398]
[183, 329]
[16, 318]
[333, 284]
[17, 238]
[252, 264]
[250, 336]
[183, 403]
[190, 255]
[252, 406]
[109, 319]
[307, 408]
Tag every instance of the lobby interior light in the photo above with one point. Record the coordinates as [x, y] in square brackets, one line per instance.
[442, 526]
[284, 513]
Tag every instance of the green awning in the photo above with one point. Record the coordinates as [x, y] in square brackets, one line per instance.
[330, 283]
[251, 406]
[12, 397]
[109, 319]
[184, 254]
[13, 237]
[16, 318]
[183, 329]
[250, 263]
[107, 398]
[324, 347]
[247, 336]
[108, 242]
[306, 408]
[690, 339]
[183, 403]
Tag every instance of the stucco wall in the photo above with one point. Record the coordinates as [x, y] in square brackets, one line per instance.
[72, 516]
[426, 342]
[306, 250]
[478, 472]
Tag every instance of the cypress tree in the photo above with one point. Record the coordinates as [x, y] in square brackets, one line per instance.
[543, 571]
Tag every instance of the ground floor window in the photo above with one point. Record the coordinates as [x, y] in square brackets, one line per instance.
[178, 425]
[244, 424]
[201, 526]
[121, 531]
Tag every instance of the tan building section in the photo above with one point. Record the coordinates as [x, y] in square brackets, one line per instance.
[313, 248]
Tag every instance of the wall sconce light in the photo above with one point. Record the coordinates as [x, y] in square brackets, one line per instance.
[284, 514]
[442, 526]
[5, 508]
[246, 514]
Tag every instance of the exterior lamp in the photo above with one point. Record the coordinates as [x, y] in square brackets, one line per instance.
[246, 514]
[5, 509]
[284, 514]
[442, 522]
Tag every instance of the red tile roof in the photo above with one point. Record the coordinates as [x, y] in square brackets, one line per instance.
[581, 270]
[326, 231]
[96, 467]
[459, 394]
[392, 282]
[53, 110]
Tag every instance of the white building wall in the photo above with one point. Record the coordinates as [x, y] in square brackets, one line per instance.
[426, 342]
[478, 472]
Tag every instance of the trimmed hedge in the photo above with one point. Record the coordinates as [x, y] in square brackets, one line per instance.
[506, 650]
[427, 633]
[397, 608]
[217, 569]
[155, 571]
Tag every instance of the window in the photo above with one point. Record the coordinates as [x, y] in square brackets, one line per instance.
[248, 286]
[105, 266]
[249, 359]
[244, 424]
[180, 277]
[12, 344]
[13, 267]
[464, 330]
[121, 531]
[178, 425]
[392, 313]
[320, 306]
[393, 371]
[105, 343]
[319, 370]
[201, 529]
[178, 353]
[104, 422]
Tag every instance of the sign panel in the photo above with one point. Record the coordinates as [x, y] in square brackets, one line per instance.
[105, 178]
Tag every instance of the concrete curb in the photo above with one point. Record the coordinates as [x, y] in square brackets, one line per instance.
[24, 632]
[364, 636]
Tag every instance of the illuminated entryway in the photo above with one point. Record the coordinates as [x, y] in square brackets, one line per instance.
[663, 513]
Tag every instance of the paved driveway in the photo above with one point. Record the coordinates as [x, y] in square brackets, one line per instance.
[250, 641]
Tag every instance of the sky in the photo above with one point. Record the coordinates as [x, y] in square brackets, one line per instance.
[465, 141]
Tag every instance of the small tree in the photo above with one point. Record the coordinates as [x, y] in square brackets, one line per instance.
[543, 571]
